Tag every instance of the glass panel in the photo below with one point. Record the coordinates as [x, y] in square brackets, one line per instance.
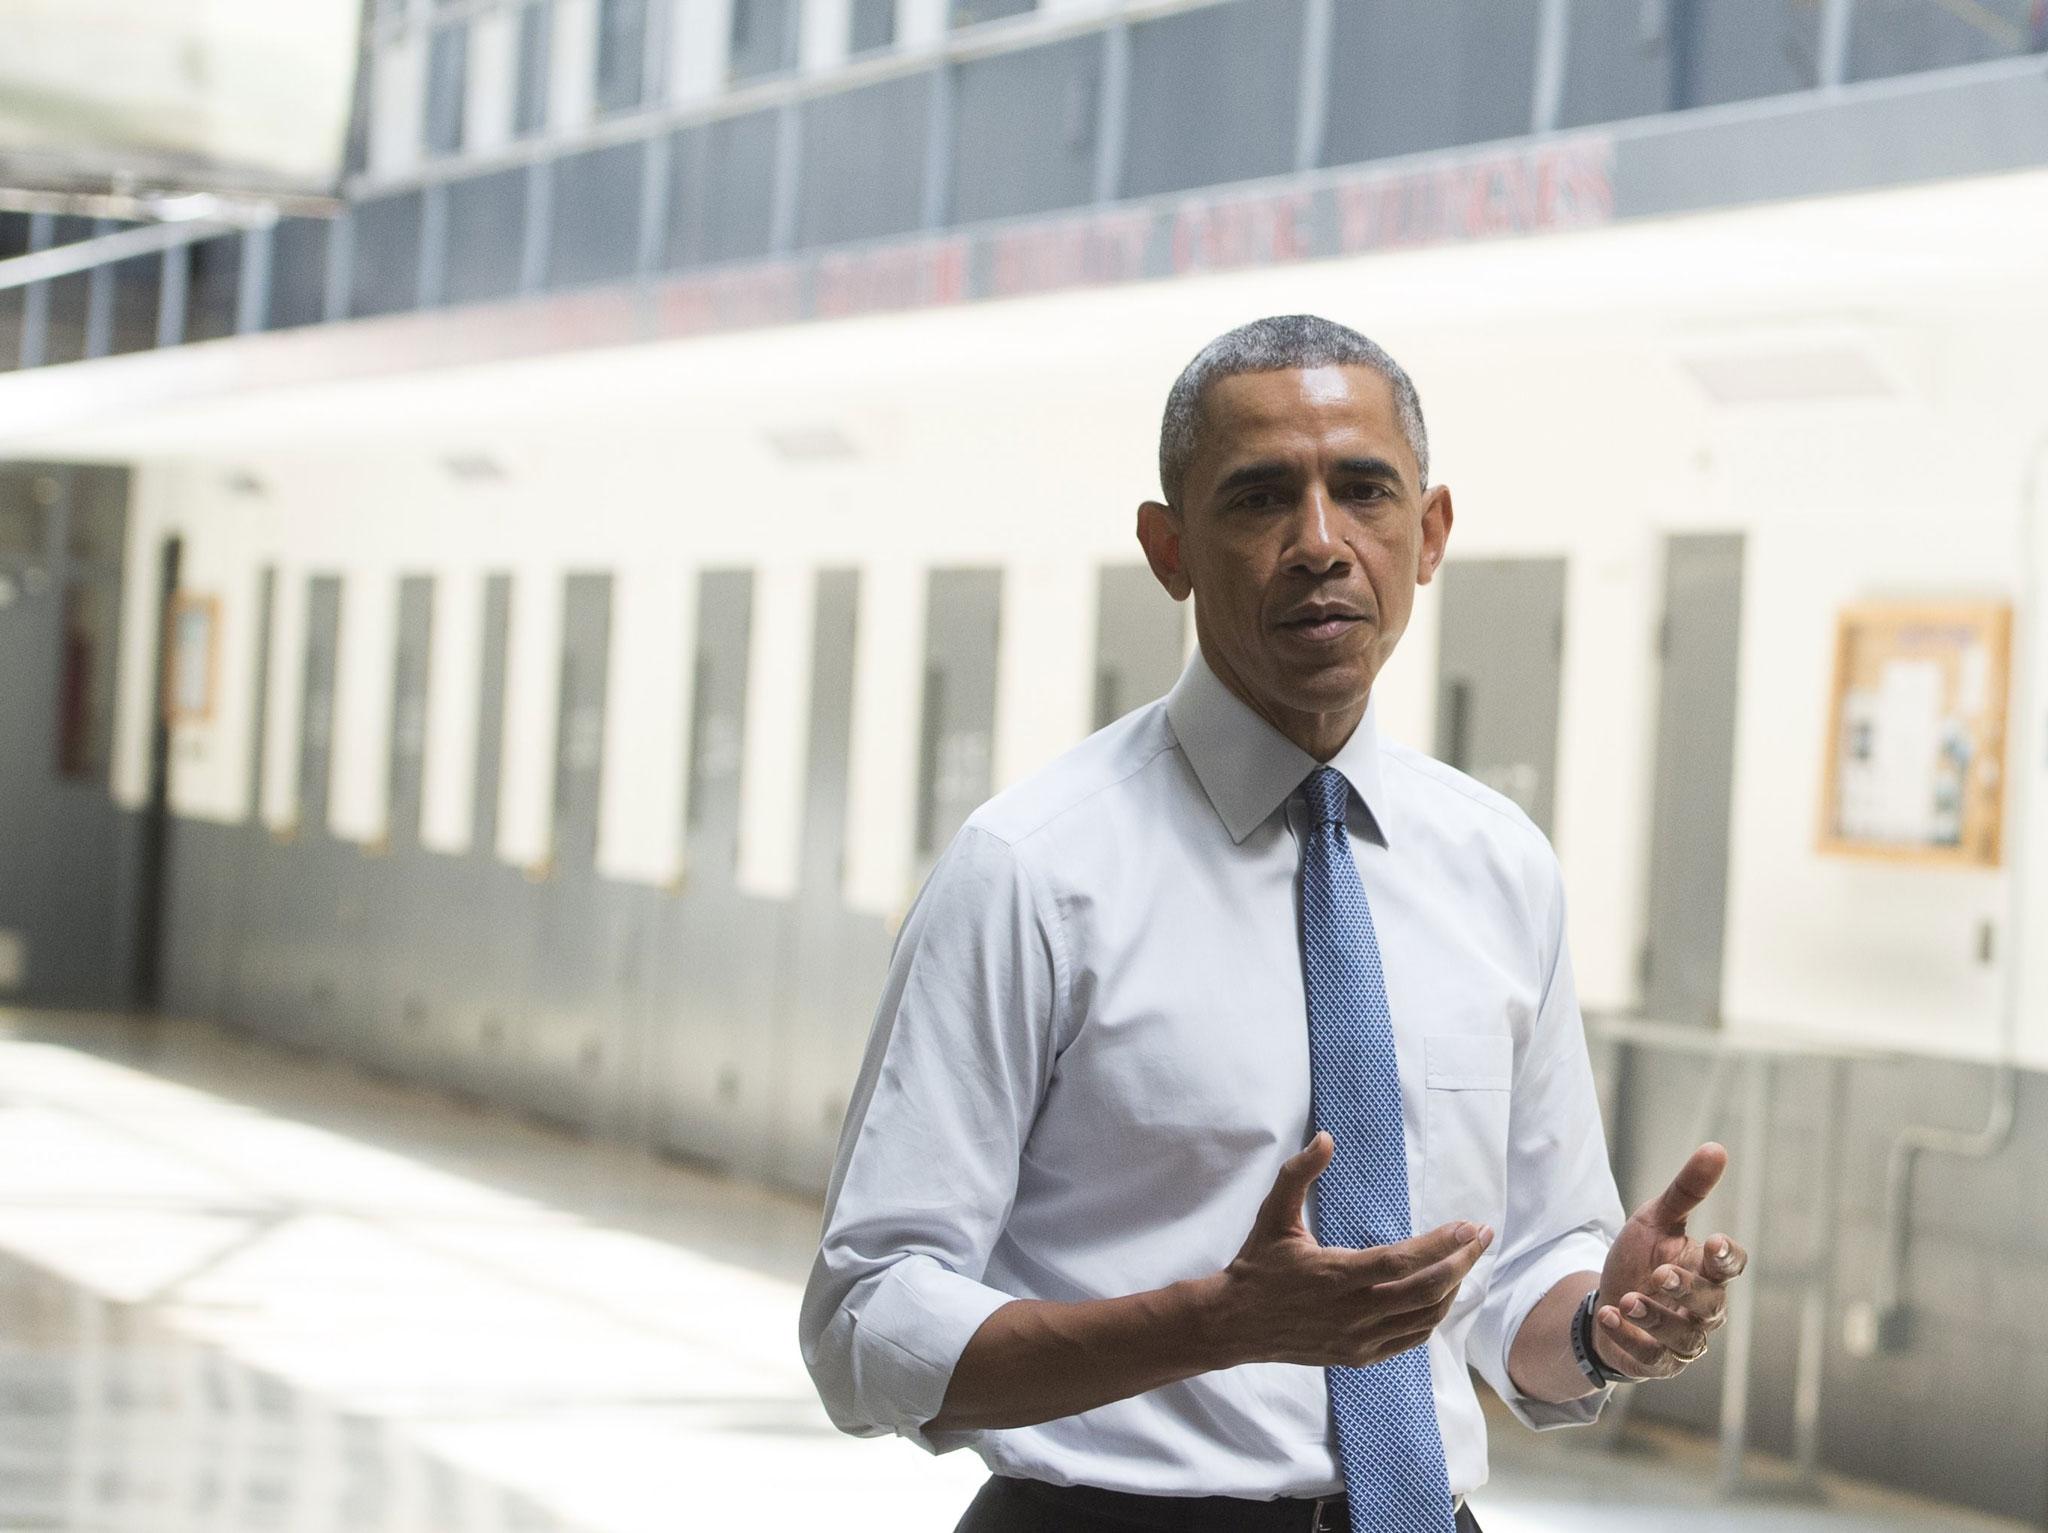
[486, 229]
[1617, 62]
[1213, 94]
[1735, 50]
[622, 39]
[1410, 75]
[447, 85]
[64, 332]
[213, 280]
[863, 161]
[721, 185]
[873, 25]
[1024, 129]
[763, 38]
[138, 289]
[596, 215]
[530, 100]
[298, 272]
[1895, 37]
[384, 270]
[967, 12]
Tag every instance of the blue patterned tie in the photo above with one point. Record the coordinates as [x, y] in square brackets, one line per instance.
[1387, 1437]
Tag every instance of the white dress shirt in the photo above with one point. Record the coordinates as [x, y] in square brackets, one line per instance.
[1091, 1058]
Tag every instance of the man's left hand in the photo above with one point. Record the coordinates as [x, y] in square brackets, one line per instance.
[1662, 1294]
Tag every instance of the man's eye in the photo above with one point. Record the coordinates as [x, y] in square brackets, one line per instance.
[1255, 500]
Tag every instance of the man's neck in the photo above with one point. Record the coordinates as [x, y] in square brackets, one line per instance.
[1322, 735]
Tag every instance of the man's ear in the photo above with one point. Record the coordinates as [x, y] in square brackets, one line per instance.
[1436, 531]
[1159, 536]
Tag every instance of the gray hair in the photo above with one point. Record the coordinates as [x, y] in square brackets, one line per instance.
[1277, 343]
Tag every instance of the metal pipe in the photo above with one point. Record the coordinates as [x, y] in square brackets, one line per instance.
[101, 249]
[1749, 1214]
[1928, 1139]
[1817, 1292]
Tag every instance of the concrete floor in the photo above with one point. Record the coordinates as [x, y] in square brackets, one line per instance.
[240, 1290]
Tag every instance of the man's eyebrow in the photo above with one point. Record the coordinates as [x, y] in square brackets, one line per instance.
[1264, 471]
[1369, 468]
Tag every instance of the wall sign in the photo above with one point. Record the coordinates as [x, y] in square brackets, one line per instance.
[191, 658]
[1916, 733]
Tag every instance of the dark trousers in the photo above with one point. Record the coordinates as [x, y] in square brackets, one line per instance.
[1007, 1505]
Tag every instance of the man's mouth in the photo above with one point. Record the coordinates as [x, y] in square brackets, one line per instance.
[1322, 625]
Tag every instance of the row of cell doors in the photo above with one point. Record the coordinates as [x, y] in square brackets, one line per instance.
[716, 1023]
[1140, 646]
[726, 1026]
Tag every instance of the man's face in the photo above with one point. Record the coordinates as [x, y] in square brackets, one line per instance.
[1302, 534]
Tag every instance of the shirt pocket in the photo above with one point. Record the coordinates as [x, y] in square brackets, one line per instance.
[1465, 1128]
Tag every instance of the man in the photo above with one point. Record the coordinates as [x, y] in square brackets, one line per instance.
[1069, 1225]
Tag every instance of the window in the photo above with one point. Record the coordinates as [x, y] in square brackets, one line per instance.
[447, 84]
[384, 263]
[530, 88]
[624, 36]
[763, 38]
[967, 12]
[138, 290]
[874, 25]
[298, 272]
[213, 282]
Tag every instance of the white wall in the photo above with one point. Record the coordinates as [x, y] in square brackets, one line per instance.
[1570, 439]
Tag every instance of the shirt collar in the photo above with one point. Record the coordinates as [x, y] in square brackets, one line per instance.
[1246, 766]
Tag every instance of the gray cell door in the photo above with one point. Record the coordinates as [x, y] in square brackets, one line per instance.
[408, 745]
[579, 723]
[716, 965]
[1694, 775]
[400, 904]
[1140, 637]
[316, 716]
[831, 735]
[718, 718]
[568, 1045]
[321, 924]
[487, 913]
[242, 999]
[815, 1056]
[490, 717]
[1499, 661]
[963, 615]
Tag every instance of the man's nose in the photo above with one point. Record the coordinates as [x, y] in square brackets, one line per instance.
[1316, 546]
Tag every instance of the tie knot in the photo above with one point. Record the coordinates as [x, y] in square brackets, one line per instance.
[1328, 793]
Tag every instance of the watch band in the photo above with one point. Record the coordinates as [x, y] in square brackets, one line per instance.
[1597, 1374]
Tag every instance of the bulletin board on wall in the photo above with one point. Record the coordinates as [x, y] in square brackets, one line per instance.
[1916, 733]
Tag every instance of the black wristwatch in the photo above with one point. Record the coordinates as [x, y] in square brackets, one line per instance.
[1582, 1346]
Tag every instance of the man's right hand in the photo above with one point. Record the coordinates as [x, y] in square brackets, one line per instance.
[1286, 1299]
[1282, 1299]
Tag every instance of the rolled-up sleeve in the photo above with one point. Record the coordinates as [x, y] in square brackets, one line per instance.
[1563, 1211]
[961, 1051]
